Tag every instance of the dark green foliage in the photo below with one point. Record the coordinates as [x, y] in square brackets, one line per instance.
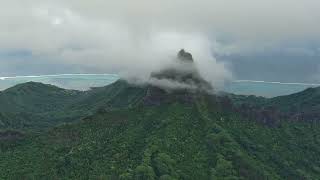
[144, 173]
[37, 106]
[163, 164]
[306, 100]
[302, 106]
[223, 169]
[145, 133]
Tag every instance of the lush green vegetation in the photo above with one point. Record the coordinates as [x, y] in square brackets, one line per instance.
[302, 106]
[36, 106]
[147, 133]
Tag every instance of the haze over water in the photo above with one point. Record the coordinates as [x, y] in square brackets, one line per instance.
[67, 81]
[85, 81]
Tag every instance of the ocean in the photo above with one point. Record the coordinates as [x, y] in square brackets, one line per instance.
[85, 81]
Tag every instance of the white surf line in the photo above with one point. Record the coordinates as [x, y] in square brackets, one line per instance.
[274, 82]
[56, 75]
[115, 75]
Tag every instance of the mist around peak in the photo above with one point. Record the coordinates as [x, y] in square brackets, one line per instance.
[183, 74]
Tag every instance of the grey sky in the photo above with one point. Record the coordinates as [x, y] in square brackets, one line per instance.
[136, 37]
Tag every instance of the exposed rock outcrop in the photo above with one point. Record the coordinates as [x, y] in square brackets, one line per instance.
[185, 75]
[185, 56]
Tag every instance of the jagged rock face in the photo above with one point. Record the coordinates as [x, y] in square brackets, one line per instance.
[184, 74]
[157, 96]
[185, 56]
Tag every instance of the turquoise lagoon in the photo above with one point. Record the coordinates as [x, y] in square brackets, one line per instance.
[85, 81]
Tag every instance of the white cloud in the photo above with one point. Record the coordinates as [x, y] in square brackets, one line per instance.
[136, 37]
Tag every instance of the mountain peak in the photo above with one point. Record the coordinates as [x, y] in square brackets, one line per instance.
[182, 75]
[185, 56]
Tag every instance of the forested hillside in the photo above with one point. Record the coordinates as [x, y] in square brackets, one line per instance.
[34, 105]
[149, 133]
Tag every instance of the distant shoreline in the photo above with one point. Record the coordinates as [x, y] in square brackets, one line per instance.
[54, 75]
[115, 75]
[273, 82]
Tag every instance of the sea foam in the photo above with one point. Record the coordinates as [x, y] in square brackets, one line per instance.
[274, 82]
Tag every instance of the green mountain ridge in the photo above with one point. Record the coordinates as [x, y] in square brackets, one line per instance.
[144, 132]
[301, 106]
[36, 105]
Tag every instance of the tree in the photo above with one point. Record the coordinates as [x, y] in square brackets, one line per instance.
[163, 164]
[224, 170]
[144, 172]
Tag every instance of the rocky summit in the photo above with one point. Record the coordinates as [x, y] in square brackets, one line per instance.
[185, 56]
[184, 73]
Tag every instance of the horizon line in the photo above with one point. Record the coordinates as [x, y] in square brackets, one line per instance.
[276, 82]
[54, 75]
[108, 74]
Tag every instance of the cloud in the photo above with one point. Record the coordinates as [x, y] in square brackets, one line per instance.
[134, 38]
[248, 18]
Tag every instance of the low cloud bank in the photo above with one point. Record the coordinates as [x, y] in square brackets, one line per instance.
[64, 33]
[135, 38]
[203, 72]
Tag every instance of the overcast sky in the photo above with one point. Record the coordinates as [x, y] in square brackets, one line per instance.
[247, 39]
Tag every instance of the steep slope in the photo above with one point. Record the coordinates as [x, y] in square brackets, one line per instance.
[37, 106]
[123, 131]
[182, 73]
[165, 135]
[31, 104]
[301, 106]
[35, 97]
